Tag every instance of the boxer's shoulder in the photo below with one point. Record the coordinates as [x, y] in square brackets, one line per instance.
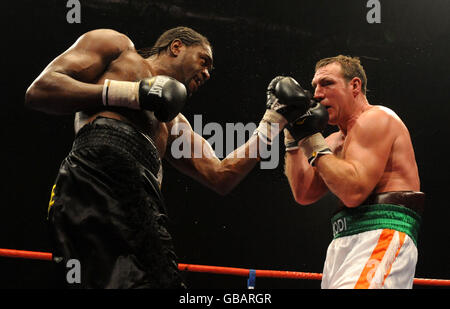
[384, 119]
[105, 34]
[107, 40]
[375, 118]
[378, 113]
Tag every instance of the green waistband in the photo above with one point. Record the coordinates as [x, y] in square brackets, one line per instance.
[365, 218]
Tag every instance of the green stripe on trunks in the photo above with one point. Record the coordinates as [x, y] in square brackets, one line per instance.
[365, 218]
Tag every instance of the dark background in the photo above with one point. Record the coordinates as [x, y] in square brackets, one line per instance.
[258, 225]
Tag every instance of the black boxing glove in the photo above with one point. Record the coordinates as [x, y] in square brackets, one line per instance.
[307, 129]
[163, 95]
[315, 120]
[293, 100]
[286, 101]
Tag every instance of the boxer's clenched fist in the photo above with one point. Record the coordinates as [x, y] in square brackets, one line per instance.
[286, 101]
[161, 94]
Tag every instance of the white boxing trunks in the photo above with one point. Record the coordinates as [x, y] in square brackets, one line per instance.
[374, 247]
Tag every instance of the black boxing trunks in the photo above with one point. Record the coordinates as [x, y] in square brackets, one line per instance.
[107, 212]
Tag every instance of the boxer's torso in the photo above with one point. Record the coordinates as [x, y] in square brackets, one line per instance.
[400, 172]
[129, 66]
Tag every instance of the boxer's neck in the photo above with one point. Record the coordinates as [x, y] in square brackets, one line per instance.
[359, 106]
[162, 65]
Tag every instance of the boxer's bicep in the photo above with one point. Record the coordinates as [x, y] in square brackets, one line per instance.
[80, 65]
[88, 57]
[368, 150]
[68, 83]
[190, 153]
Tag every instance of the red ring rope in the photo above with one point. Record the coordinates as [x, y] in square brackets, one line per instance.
[26, 254]
[218, 269]
[245, 272]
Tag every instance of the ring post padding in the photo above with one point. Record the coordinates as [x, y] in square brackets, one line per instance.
[251, 279]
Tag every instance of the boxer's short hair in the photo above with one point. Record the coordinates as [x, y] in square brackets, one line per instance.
[351, 67]
[186, 35]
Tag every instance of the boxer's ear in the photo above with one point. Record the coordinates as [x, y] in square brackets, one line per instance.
[175, 47]
[356, 85]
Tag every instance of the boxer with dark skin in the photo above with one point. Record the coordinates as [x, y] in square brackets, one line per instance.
[106, 207]
[73, 83]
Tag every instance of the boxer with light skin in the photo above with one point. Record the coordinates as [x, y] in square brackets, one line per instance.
[369, 165]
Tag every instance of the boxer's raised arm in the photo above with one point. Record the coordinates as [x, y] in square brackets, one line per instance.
[286, 100]
[353, 177]
[67, 84]
[306, 184]
[192, 155]
[305, 181]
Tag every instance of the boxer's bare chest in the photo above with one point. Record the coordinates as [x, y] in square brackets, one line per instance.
[336, 143]
[129, 66]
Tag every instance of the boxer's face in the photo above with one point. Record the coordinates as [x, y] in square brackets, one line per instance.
[334, 91]
[195, 65]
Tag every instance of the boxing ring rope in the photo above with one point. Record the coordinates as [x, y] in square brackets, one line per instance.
[33, 255]
[243, 272]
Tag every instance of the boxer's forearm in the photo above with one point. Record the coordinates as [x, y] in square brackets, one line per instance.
[343, 179]
[58, 93]
[237, 164]
[220, 176]
[306, 185]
